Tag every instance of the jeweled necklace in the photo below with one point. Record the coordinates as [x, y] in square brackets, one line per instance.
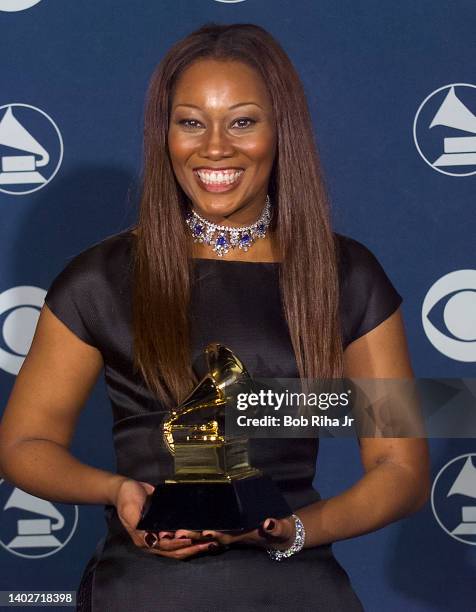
[224, 237]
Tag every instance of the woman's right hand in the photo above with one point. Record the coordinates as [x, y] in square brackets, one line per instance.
[129, 500]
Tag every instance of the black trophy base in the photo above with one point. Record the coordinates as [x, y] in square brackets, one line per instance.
[239, 505]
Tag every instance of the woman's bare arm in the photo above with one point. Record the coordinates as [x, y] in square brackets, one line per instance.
[397, 470]
[38, 424]
[54, 383]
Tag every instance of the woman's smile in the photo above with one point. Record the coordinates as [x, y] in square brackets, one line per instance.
[218, 179]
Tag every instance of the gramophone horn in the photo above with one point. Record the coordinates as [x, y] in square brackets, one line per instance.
[225, 367]
[203, 408]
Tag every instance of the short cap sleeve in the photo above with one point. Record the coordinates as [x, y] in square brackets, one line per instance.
[71, 297]
[368, 296]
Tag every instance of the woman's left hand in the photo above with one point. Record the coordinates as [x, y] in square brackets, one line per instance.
[272, 533]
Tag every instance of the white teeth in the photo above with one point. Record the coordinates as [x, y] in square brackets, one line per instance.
[219, 178]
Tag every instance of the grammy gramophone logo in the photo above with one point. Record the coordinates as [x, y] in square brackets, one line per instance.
[444, 129]
[33, 527]
[13, 6]
[453, 498]
[31, 149]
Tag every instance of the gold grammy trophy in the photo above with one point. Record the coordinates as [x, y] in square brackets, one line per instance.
[214, 486]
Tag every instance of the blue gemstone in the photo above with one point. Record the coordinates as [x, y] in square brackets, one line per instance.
[198, 229]
[261, 227]
[245, 238]
[221, 241]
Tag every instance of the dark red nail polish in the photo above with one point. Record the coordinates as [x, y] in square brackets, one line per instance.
[150, 539]
[208, 537]
[166, 536]
[212, 546]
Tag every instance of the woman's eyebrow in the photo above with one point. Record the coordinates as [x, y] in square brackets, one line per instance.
[229, 108]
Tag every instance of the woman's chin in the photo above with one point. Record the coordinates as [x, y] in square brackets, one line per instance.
[215, 213]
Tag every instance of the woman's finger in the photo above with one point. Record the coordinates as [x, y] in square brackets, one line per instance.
[183, 533]
[129, 514]
[137, 536]
[203, 547]
[150, 541]
[185, 551]
[148, 487]
[187, 533]
[170, 545]
[277, 529]
[225, 539]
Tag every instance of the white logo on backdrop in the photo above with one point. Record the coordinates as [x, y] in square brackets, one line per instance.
[39, 145]
[34, 538]
[19, 325]
[11, 6]
[229, 1]
[453, 498]
[442, 127]
[459, 315]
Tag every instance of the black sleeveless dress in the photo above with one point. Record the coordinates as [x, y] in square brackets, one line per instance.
[239, 305]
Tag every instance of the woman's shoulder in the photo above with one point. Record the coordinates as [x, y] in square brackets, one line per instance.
[357, 262]
[108, 251]
[92, 285]
[106, 259]
[353, 255]
[106, 262]
[368, 296]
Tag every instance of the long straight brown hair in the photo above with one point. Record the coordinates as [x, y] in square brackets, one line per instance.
[163, 263]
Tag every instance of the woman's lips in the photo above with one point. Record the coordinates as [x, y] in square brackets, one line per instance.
[217, 181]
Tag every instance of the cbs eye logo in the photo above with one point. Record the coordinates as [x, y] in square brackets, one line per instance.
[451, 302]
[19, 312]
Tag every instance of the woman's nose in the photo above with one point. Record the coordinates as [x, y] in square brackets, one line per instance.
[216, 143]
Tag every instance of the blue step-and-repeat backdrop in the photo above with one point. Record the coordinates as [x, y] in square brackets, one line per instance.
[392, 90]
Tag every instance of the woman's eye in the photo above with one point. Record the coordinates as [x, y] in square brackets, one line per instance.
[189, 123]
[244, 122]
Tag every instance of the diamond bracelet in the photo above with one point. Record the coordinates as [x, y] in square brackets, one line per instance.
[296, 546]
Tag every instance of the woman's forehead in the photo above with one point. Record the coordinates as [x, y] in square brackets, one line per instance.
[213, 83]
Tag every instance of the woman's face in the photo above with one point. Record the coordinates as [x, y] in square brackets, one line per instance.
[222, 139]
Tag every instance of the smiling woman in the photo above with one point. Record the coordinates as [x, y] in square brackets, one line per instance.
[229, 160]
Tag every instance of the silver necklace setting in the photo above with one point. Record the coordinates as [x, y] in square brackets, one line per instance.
[223, 237]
